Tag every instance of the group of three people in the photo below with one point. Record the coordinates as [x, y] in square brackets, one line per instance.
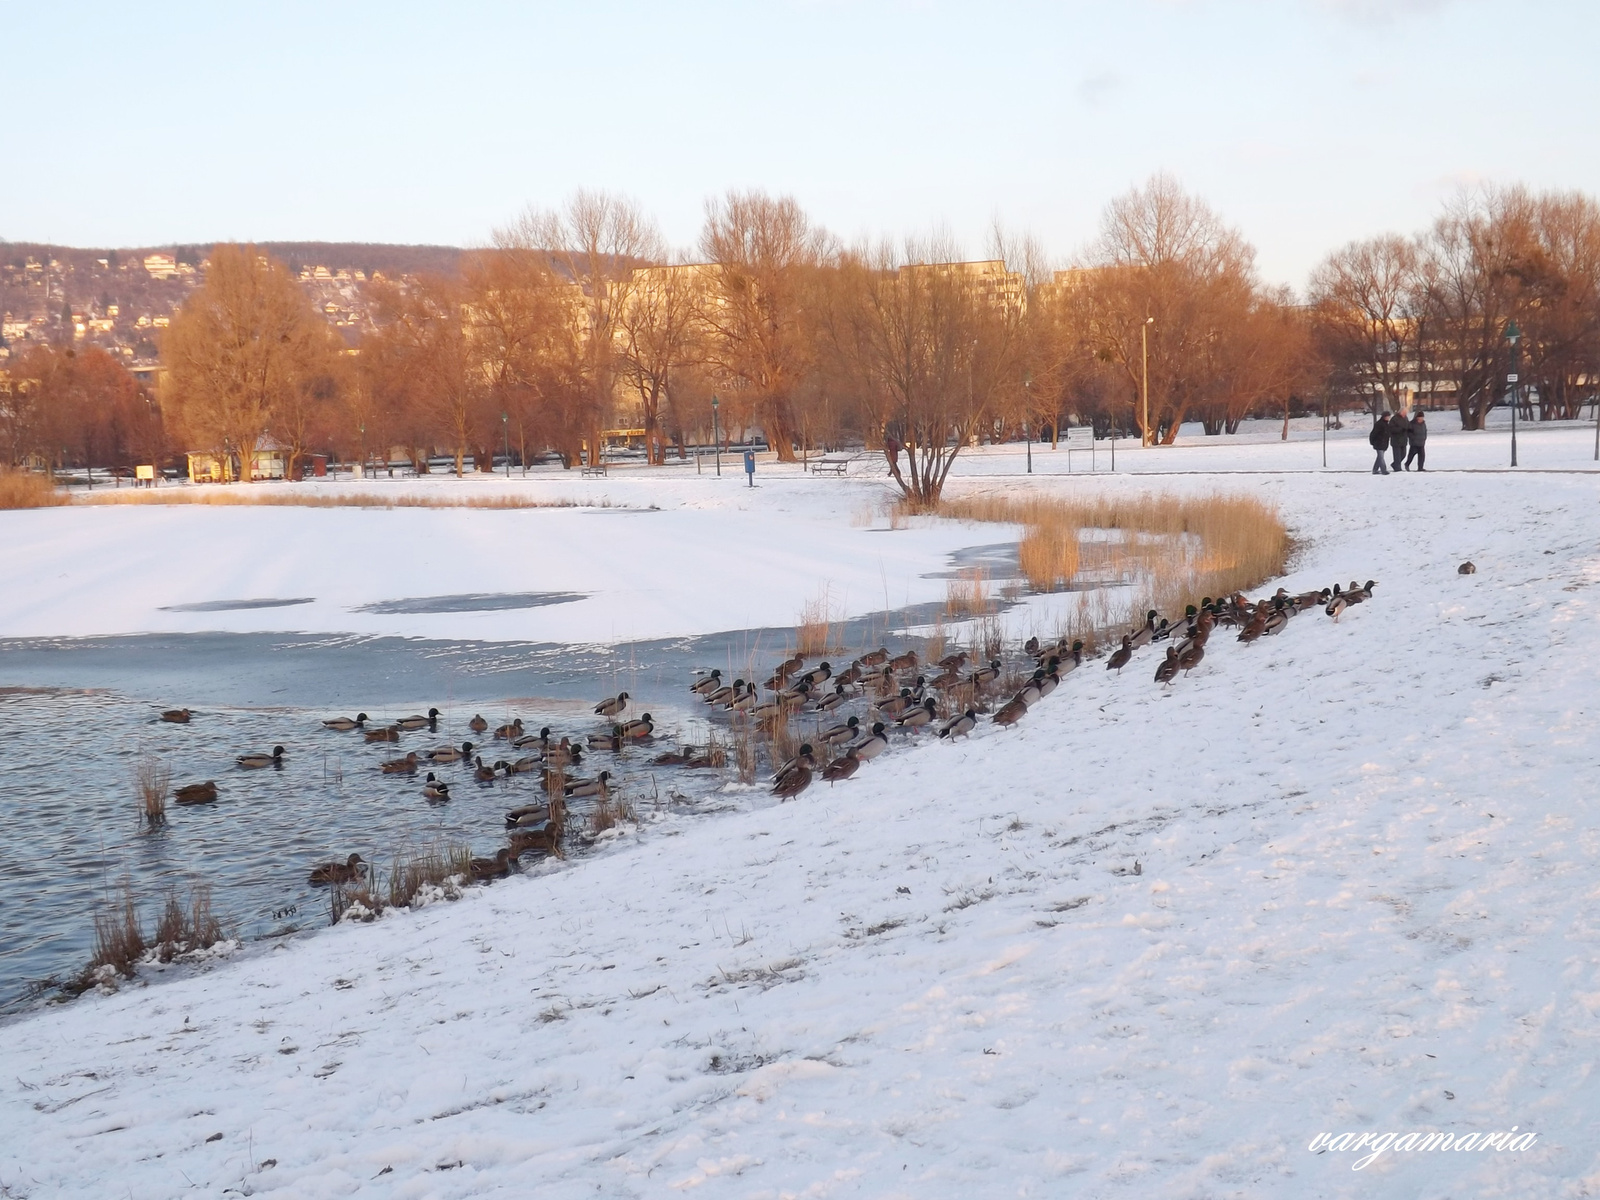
[1406, 440]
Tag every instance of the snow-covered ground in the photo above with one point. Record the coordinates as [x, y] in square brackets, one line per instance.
[1144, 944]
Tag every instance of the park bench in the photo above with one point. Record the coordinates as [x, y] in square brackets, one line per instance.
[595, 469]
[831, 465]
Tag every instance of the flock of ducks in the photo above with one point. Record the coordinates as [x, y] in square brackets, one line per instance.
[898, 696]
[900, 693]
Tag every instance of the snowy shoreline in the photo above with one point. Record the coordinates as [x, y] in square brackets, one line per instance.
[1364, 900]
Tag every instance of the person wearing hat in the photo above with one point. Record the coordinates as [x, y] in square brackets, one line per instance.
[1419, 441]
[1378, 439]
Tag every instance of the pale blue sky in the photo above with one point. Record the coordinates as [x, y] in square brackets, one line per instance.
[1305, 122]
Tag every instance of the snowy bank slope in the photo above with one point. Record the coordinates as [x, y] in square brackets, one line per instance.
[1366, 900]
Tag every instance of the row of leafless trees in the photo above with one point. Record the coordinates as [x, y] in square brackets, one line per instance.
[571, 322]
[1431, 313]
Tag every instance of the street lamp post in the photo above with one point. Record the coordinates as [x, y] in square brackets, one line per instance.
[1144, 363]
[1324, 428]
[1027, 418]
[505, 428]
[716, 434]
[361, 468]
[1514, 336]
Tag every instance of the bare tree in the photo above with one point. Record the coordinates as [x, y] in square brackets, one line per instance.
[595, 242]
[237, 349]
[766, 256]
[657, 337]
[1370, 306]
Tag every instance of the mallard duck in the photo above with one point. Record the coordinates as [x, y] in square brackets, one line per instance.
[704, 687]
[197, 793]
[478, 724]
[1364, 592]
[1121, 656]
[953, 662]
[490, 868]
[772, 710]
[1144, 632]
[483, 773]
[644, 727]
[177, 716]
[417, 721]
[816, 675]
[607, 741]
[984, 676]
[449, 754]
[563, 754]
[895, 706]
[542, 738]
[869, 747]
[390, 733]
[796, 696]
[747, 701]
[946, 681]
[835, 734]
[959, 726]
[850, 675]
[1467, 568]
[337, 872]
[578, 788]
[834, 699]
[1011, 712]
[523, 765]
[903, 662]
[802, 753]
[1032, 692]
[612, 706]
[1167, 668]
[842, 767]
[256, 761]
[400, 766]
[1031, 646]
[1190, 658]
[435, 789]
[528, 815]
[1071, 660]
[509, 733]
[874, 658]
[796, 777]
[1255, 626]
[1336, 606]
[1277, 620]
[724, 695]
[1049, 681]
[917, 717]
[346, 724]
[543, 835]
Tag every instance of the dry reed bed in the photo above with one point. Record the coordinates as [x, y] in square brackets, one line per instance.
[28, 489]
[1174, 550]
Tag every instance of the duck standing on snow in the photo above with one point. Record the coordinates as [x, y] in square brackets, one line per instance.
[1121, 656]
[842, 767]
[959, 726]
[346, 724]
[1167, 669]
[869, 747]
[795, 776]
[611, 706]
[1145, 632]
[1189, 657]
[836, 734]
[915, 718]
[1011, 711]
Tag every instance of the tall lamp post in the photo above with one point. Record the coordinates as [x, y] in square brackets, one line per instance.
[1144, 364]
[716, 435]
[505, 428]
[1514, 336]
[1027, 417]
[361, 469]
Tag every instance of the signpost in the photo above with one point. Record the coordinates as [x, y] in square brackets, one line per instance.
[1514, 336]
[750, 466]
[716, 436]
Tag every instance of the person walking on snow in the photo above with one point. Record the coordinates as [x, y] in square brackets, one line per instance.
[1419, 441]
[1399, 438]
[1378, 439]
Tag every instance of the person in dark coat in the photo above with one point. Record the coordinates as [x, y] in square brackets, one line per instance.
[1419, 441]
[1399, 438]
[1378, 439]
